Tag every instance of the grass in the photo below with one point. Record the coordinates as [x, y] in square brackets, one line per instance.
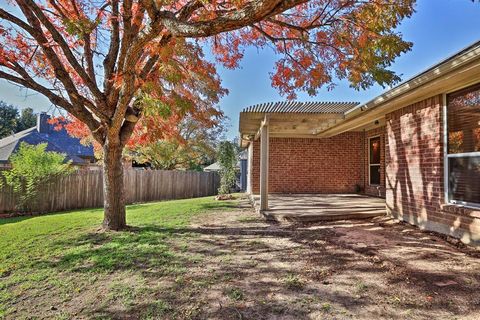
[235, 294]
[326, 307]
[361, 287]
[65, 255]
[247, 219]
[293, 282]
[203, 259]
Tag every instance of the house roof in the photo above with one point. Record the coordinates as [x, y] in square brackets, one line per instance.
[213, 167]
[59, 141]
[216, 166]
[450, 74]
[453, 73]
[9, 144]
[301, 107]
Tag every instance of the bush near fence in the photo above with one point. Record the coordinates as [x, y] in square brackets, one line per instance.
[84, 189]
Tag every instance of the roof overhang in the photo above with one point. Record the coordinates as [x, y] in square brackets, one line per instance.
[453, 73]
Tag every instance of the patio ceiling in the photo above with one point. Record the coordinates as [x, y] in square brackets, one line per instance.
[286, 125]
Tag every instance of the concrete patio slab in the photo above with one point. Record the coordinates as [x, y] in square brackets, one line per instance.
[321, 207]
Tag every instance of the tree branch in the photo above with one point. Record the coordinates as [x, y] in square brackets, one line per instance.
[57, 100]
[78, 101]
[58, 38]
[109, 61]
[252, 12]
[9, 17]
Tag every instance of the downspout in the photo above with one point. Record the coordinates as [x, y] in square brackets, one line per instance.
[365, 161]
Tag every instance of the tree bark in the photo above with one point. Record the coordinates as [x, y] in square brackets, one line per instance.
[113, 190]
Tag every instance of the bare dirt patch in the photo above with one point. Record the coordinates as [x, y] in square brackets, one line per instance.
[336, 270]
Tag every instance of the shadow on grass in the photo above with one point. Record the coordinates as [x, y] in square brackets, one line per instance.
[158, 252]
[219, 205]
[4, 221]
[109, 251]
[174, 252]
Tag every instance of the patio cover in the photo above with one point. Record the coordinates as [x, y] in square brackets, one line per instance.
[288, 120]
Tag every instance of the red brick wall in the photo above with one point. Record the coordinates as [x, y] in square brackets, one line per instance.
[372, 190]
[328, 165]
[414, 159]
[414, 172]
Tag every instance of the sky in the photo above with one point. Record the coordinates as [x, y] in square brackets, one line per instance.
[438, 29]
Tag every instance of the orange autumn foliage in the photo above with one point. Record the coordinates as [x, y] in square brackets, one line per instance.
[128, 70]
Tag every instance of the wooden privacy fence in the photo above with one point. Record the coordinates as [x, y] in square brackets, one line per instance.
[84, 189]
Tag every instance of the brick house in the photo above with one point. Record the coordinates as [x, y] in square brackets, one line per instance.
[417, 146]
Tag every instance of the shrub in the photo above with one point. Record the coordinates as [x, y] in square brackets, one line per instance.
[227, 159]
[32, 168]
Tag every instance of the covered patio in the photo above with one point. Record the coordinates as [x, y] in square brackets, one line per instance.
[320, 207]
[297, 174]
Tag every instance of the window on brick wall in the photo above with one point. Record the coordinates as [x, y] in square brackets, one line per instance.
[463, 146]
[374, 160]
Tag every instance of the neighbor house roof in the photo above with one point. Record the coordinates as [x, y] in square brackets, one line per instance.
[213, 167]
[216, 166]
[57, 140]
[9, 144]
[301, 107]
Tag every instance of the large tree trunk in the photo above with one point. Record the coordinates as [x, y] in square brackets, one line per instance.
[113, 190]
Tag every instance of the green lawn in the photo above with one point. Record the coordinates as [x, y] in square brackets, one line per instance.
[51, 260]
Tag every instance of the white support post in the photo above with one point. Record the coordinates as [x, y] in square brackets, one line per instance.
[249, 168]
[264, 142]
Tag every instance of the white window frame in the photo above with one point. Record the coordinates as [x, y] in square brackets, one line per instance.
[379, 165]
[447, 156]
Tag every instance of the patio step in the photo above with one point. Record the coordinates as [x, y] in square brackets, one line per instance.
[317, 207]
[322, 216]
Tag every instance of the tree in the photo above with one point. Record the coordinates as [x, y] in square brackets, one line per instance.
[227, 159]
[26, 120]
[11, 122]
[32, 168]
[100, 59]
[8, 119]
[194, 146]
[163, 141]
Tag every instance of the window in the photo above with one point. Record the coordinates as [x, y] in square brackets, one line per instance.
[374, 160]
[463, 146]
